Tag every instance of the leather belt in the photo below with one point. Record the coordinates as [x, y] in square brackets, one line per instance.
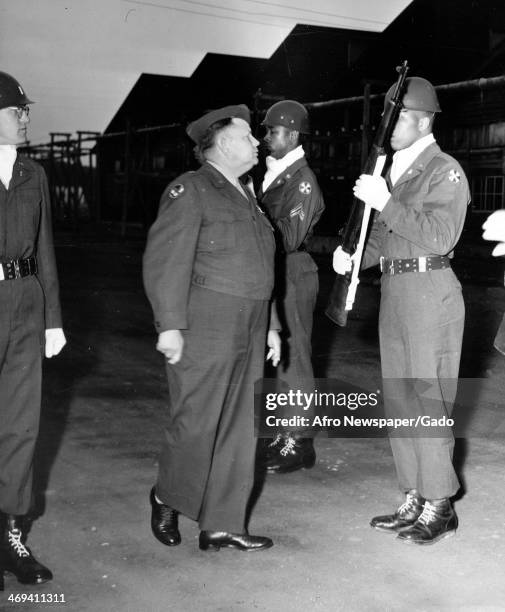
[415, 264]
[18, 268]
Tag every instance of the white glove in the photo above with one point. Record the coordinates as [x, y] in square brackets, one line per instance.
[274, 345]
[342, 261]
[494, 229]
[55, 341]
[171, 343]
[372, 190]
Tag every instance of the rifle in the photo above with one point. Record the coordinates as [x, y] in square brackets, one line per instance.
[355, 231]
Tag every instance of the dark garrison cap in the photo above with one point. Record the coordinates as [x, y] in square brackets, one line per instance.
[197, 129]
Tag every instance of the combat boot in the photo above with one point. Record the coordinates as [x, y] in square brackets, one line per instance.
[295, 454]
[17, 558]
[406, 515]
[273, 448]
[437, 521]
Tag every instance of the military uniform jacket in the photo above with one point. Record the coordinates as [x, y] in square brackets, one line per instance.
[426, 211]
[207, 234]
[25, 230]
[294, 203]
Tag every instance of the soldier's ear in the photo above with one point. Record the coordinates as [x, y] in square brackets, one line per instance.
[293, 136]
[424, 123]
[222, 143]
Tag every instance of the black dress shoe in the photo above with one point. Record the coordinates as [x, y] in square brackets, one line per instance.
[406, 515]
[214, 540]
[164, 522]
[17, 558]
[437, 521]
[295, 454]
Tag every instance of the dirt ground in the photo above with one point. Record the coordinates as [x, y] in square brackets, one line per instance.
[103, 405]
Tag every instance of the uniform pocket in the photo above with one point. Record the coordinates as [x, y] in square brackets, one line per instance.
[217, 237]
[446, 291]
[28, 203]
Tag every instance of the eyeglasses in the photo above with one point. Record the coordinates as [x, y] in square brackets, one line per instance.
[20, 110]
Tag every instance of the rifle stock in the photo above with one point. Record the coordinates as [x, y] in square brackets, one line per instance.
[356, 228]
[336, 309]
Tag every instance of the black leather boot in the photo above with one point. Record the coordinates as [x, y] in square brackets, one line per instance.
[437, 521]
[164, 522]
[295, 454]
[406, 515]
[17, 558]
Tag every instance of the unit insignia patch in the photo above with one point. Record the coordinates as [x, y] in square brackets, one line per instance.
[176, 191]
[454, 176]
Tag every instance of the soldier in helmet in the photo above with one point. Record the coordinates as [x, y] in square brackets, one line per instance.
[30, 325]
[420, 212]
[209, 274]
[293, 201]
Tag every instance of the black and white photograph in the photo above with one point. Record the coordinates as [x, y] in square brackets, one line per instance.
[252, 305]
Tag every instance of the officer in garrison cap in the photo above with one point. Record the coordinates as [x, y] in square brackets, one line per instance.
[209, 274]
[420, 211]
[291, 197]
[30, 326]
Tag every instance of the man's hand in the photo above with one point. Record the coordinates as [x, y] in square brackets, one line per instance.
[342, 261]
[372, 190]
[274, 344]
[494, 229]
[170, 343]
[55, 341]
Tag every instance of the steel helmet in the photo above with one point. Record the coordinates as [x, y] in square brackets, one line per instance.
[419, 95]
[290, 114]
[11, 92]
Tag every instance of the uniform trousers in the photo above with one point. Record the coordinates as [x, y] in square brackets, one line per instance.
[421, 329]
[206, 465]
[21, 351]
[296, 305]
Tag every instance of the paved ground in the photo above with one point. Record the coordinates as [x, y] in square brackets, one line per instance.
[104, 400]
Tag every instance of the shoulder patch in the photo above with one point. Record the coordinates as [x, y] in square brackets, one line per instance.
[176, 191]
[305, 187]
[454, 176]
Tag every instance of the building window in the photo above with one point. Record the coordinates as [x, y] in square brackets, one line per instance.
[488, 193]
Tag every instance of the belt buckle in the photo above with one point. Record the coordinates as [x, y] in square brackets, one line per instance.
[391, 269]
[9, 270]
[422, 261]
[2, 273]
[17, 271]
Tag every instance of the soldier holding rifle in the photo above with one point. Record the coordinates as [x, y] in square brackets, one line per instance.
[421, 208]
